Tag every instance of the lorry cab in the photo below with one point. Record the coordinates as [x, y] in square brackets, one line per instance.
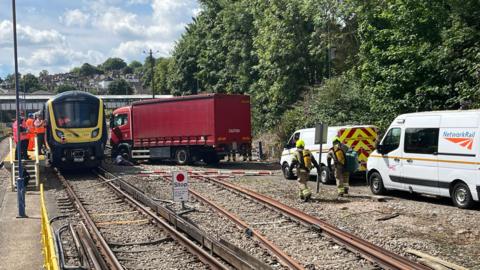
[121, 130]
[433, 153]
[362, 139]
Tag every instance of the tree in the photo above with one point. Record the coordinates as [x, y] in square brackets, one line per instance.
[147, 71]
[418, 56]
[120, 87]
[43, 73]
[64, 88]
[29, 83]
[87, 70]
[163, 71]
[114, 63]
[135, 64]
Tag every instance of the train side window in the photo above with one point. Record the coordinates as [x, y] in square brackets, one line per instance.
[120, 120]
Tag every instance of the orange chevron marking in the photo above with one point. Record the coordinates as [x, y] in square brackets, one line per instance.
[463, 142]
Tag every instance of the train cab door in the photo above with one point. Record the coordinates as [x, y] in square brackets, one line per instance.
[120, 127]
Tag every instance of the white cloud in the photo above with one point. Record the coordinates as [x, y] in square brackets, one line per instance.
[171, 16]
[73, 17]
[120, 22]
[59, 58]
[27, 35]
[138, 2]
[135, 49]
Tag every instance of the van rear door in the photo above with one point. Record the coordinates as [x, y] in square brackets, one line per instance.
[420, 167]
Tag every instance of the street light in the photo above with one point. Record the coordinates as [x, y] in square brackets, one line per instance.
[20, 180]
[152, 61]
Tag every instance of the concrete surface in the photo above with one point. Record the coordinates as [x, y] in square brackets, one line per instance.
[20, 240]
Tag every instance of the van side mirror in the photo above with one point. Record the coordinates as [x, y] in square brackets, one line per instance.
[111, 122]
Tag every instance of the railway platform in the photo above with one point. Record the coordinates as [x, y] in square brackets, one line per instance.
[21, 246]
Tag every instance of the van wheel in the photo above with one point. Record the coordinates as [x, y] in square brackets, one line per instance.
[461, 196]
[376, 184]
[326, 176]
[287, 173]
[182, 156]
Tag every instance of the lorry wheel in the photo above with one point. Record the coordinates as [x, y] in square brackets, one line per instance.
[376, 184]
[326, 176]
[122, 151]
[461, 196]
[287, 173]
[182, 156]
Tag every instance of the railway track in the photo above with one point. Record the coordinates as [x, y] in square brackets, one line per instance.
[257, 211]
[128, 234]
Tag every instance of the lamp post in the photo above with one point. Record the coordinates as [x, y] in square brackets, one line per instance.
[20, 180]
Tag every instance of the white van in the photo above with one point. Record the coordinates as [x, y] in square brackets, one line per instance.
[433, 153]
[360, 138]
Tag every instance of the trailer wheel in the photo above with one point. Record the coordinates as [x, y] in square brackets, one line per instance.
[461, 196]
[182, 156]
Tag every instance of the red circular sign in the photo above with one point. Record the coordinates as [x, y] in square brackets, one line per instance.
[180, 177]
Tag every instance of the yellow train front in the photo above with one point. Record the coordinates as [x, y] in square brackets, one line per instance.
[76, 130]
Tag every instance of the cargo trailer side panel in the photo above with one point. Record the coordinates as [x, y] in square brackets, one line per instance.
[174, 122]
[232, 119]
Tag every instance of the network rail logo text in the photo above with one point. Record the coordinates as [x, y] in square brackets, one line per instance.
[461, 138]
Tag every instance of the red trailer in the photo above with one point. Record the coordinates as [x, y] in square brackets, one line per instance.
[185, 129]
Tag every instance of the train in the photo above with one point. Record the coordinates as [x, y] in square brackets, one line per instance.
[76, 131]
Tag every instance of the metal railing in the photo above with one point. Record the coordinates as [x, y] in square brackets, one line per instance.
[12, 163]
[48, 247]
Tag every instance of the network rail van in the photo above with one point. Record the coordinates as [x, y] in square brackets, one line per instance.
[362, 139]
[434, 153]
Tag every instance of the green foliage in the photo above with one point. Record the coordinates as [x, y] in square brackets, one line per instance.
[30, 83]
[418, 56]
[163, 71]
[120, 87]
[64, 88]
[135, 64]
[339, 101]
[113, 64]
[87, 70]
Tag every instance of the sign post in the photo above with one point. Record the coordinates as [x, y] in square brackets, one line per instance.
[180, 187]
[321, 132]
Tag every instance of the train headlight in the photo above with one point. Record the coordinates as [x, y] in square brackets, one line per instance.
[59, 133]
[95, 132]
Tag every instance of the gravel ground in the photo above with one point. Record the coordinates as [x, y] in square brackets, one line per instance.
[319, 253]
[428, 224]
[135, 244]
[204, 217]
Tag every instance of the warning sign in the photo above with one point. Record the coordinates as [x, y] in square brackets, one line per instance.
[180, 186]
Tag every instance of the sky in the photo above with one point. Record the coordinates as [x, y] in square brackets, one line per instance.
[57, 35]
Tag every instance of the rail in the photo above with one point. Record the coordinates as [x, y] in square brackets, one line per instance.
[234, 256]
[369, 250]
[48, 248]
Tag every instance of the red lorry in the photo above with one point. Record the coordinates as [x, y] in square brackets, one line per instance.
[185, 129]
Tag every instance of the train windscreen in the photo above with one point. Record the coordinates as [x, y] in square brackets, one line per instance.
[76, 114]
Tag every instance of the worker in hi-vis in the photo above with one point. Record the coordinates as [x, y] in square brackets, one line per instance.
[338, 154]
[304, 161]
